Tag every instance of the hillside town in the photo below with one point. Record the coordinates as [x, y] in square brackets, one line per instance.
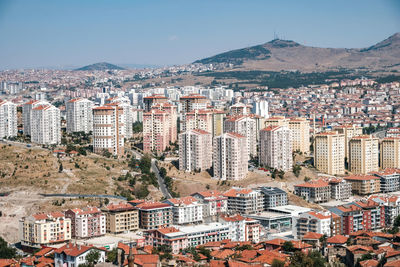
[346, 133]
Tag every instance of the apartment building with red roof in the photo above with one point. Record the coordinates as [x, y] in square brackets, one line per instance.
[317, 191]
[75, 255]
[87, 222]
[185, 210]
[121, 217]
[351, 217]
[214, 202]
[322, 222]
[44, 229]
[244, 201]
[364, 184]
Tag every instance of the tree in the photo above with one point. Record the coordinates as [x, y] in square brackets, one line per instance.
[112, 255]
[145, 163]
[5, 251]
[396, 222]
[288, 246]
[92, 257]
[296, 170]
[163, 172]
[312, 259]
[277, 263]
[61, 168]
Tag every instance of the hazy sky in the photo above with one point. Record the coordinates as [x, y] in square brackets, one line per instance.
[36, 33]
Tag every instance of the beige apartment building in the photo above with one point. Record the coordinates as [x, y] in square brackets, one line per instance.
[276, 148]
[329, 152]
[277, 121]
[44, 229]
[364, 184]
[300, 128]
[363, 154]
[195, 152]
[108, 129]
[349, 131]
[121, 217]
[230, 156]
[390, 152]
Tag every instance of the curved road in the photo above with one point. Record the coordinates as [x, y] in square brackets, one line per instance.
[162, 185]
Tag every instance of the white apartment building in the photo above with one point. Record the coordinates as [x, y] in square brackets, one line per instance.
[214, 202]
[246, 126]
[46, 125]
[317, 222]
[340, 189]
[230, 157]
[276, 148]
[194, 150]
[300, 128]
[8, 119]
[44, 229]
[186, 210]
[125, 104]
[27, 113]
[108, 129]
[242, 229]
[363, 154]
[260, 108]
[79, 115]
[329, 153]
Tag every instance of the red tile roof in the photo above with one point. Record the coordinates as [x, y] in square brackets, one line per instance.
[337, 239]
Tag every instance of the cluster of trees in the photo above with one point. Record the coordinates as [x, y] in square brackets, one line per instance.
[5, 251]
[168, 182]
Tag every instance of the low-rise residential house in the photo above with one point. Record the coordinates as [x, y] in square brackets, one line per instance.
[186, 210]
[336, 247]
[88, 222]
[71, 255]
[153, 215]
[364, 184]
[214, 202]
[273, 197]
[121, 217]
[44, 229]
[318, 191]
[244, 201]
[353, 253]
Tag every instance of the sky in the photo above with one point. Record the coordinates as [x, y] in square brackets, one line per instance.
[53, 33]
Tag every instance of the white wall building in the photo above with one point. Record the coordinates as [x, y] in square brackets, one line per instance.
[194, 150]
[186, 210]
[8, 119]
[260, 108]
[71, 255]
[45, 125]
[27, 113]
[79, 115]
[246, 126]
[230, 157]
[276, 148]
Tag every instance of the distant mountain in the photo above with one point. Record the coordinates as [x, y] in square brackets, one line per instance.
[101, 66]
[279, 55]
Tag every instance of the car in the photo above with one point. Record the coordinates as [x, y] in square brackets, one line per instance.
[28, 145]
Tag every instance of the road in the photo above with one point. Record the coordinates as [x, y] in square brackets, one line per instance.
[163, 187]
[380, 134]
